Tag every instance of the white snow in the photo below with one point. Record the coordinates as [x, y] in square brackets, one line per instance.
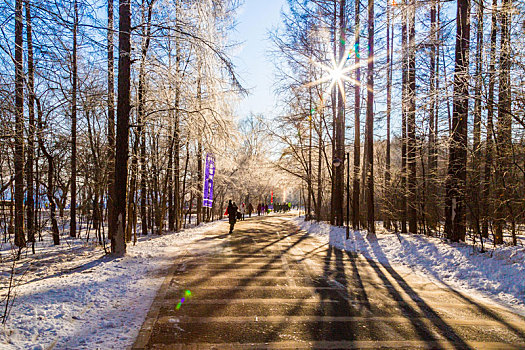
[75, 296]
[497, 275]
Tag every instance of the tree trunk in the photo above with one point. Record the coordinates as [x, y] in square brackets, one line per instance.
[183, 193]
[176, 139]
[20, 240]
[111, 121]
[73, 208]
[404, 95]
[141, 114]
[118, 243]
[489, 148]
[176, 165]
[455, 184]
[370, 123]
[389, 34]
[504, 136]
[340, 125]
[200, 179]
[476, 154]
[30, 203]
[310, 188]
[319, 167]
[169, 176]
[432, 120]
[411, 121]
[50, 184]
[200, 176]
[334, 123]
[132, 207]
[357, 124]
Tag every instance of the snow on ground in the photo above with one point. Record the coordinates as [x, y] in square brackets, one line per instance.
[76, 297]
[498, 274]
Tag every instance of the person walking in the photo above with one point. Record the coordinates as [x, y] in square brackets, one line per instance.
[250, 209]
[232, 214]
[259, 209]
[243, 210]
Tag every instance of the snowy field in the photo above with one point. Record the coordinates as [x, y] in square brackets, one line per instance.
[75, 297]
[497, 275]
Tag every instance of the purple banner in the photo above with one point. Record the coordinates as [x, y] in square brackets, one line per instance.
[208, 181]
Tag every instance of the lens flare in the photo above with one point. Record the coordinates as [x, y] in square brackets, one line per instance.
[337, 72]
[187, 295]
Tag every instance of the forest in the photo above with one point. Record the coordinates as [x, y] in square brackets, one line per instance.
[106, 121]
[112, 109]
[407, 113]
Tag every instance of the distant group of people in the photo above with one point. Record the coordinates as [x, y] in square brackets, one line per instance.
[282, 207]
[235, 213]
[262, 209]
[245, 209]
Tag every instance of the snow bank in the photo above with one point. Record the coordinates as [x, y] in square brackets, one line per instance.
[86, 300]
[496, 274]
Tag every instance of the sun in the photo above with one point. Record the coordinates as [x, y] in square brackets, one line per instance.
[336, 73]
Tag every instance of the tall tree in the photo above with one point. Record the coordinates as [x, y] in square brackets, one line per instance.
[411, 120]
[147, 12]
[111, 118]
[389, 35]
[176, 131]
[318, 206]
[504, 135]
[339, 125]
[30, 203]
[476, 146]
[489, 142]
[433, 113]
[404, 94]
[74, 73]
[200, 178]
[357, 123]
[310, 188]
[455, 227]
[370, 123]
[19, 126]
[118, 243]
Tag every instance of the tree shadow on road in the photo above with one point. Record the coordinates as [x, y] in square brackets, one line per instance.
[423, 331]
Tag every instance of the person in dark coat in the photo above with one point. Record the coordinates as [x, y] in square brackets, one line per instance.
[232, 214]
[250, 209]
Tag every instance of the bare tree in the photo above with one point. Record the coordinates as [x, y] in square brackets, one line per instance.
[357, 124]
[118, 243]
[455, 225]
[30, 204]
[74, 73]
[504, 135]
[411, 120]
[19, 127]
[370, 123]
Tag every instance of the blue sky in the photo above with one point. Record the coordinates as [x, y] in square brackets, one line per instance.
[255, 18]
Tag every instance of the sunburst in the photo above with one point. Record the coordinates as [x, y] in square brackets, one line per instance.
[337, 73]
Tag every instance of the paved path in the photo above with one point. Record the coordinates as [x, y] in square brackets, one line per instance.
[269, 285]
